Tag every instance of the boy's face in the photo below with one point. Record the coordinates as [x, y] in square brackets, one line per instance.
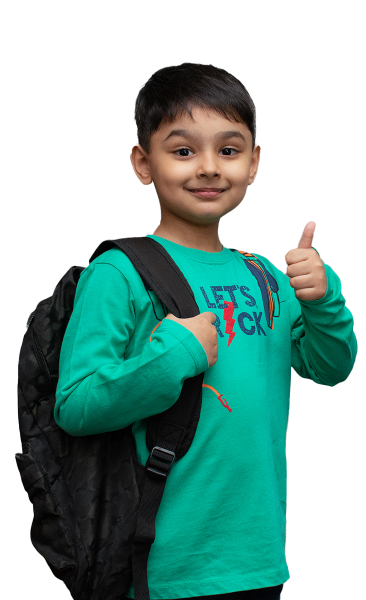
[200, 167]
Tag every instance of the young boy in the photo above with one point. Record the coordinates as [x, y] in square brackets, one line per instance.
[221, 525]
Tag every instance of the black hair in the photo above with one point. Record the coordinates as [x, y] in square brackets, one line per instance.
[174, 90]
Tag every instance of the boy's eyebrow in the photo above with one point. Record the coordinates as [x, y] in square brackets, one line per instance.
[221, 134]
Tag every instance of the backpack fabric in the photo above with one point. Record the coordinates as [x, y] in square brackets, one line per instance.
[94, 504]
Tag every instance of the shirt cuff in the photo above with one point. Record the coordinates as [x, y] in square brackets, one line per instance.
[189, 340]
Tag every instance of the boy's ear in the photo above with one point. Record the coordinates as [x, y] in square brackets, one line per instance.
[141, 164]
[256, 155]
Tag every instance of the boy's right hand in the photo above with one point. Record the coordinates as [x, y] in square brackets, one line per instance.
[202, 327]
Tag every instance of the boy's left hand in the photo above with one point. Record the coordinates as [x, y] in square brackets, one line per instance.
[306, 269]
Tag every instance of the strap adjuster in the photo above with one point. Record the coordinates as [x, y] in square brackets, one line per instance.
[160, 462]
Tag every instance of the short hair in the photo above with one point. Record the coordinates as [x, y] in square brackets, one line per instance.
[174, 90]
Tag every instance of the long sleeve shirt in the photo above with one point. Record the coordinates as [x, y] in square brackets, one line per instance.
[221, 525]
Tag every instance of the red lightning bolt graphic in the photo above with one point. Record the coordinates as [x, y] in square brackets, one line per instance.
[228, 316]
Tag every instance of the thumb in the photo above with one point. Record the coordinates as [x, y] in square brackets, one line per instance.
[307, 235]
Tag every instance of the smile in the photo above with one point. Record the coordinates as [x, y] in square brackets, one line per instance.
[207, 192]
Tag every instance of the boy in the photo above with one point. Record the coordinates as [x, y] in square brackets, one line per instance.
[221, 525]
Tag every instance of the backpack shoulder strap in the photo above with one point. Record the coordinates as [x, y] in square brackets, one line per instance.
[169, 434]
[161, 274]
[158, 272]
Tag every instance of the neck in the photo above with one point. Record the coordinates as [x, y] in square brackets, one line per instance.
[192, 236]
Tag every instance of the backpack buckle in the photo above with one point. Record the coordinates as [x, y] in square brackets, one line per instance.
[160, 462]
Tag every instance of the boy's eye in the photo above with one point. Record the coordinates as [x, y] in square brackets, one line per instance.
[231, 149]
[185, 150]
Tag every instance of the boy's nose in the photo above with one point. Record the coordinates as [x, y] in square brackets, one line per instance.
[208, 165]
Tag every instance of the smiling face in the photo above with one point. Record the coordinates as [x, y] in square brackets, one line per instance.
[201, 167]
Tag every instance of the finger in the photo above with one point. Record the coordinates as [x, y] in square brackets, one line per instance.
[307, 235]
[296, 255]
[298, 268]
[211, 316]
[302, 282]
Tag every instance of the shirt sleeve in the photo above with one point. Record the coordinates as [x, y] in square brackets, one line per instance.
[99, 389]
[323, 343]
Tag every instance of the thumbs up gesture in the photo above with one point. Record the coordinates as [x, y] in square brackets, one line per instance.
[306, 269]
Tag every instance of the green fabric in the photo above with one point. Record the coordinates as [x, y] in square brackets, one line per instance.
[221, 526]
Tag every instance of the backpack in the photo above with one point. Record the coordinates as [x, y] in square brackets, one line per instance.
[94, 503]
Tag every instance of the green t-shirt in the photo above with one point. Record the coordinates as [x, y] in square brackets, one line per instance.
[221, 525]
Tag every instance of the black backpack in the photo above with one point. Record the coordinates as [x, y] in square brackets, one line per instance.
[94, 503]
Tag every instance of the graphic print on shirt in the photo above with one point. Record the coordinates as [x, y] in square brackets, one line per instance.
[267, 285]
[237, 322]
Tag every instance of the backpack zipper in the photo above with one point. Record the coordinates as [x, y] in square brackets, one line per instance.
[42, 360]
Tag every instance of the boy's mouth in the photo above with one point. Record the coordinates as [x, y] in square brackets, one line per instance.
[205, 192]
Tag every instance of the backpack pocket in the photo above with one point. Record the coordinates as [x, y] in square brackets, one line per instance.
[49, 532]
